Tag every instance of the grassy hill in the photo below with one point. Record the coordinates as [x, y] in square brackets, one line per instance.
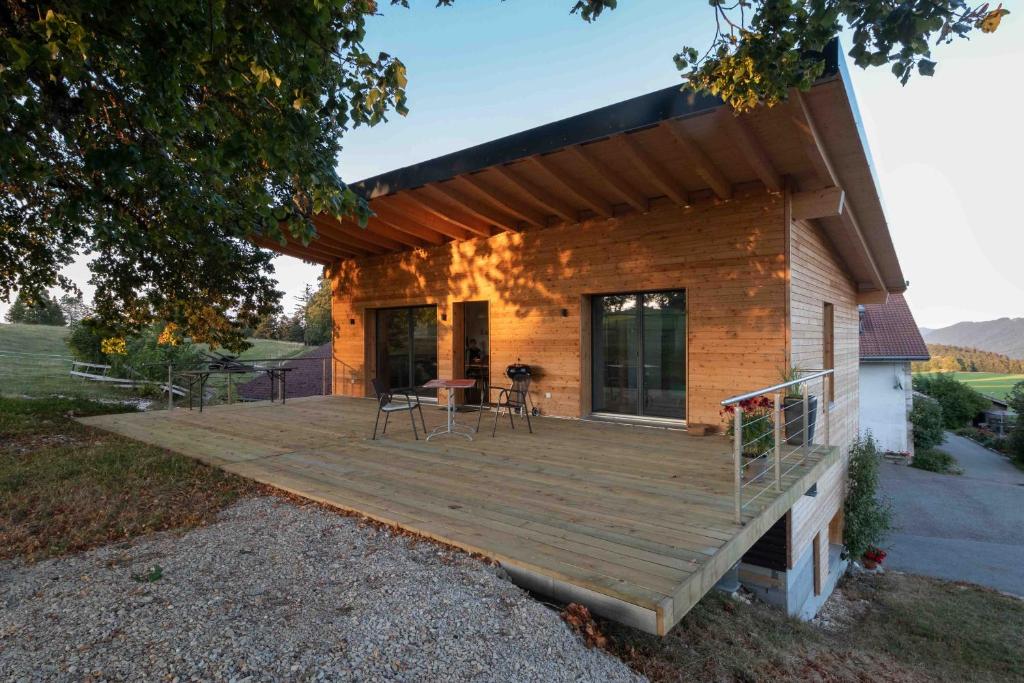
[989, 383]
[35, 361]
[1005, 335]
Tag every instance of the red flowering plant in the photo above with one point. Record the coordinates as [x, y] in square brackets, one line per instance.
[875, 555]
[758, 431]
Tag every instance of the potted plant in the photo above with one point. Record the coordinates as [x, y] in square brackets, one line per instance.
[793, 410]
[873, 557]
[758, 432]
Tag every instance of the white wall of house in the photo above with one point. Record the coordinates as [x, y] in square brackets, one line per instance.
[885, 400]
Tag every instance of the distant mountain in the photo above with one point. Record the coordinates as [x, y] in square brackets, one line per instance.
[1005, 336]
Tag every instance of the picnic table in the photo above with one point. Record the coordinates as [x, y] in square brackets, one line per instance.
[450, 427]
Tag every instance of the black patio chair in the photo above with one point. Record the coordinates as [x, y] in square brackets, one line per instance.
[386, 404]
[513, 399]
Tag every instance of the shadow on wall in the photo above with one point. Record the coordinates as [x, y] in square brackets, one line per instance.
[734, 275]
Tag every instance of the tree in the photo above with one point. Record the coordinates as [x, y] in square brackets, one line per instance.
[317, 312]
[960, 404]
[764, 48]
[169, 139]
[161, 136]
[37, 309]
[73, 308]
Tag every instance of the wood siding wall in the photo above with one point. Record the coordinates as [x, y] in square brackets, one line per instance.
[730, 258]
[817, 277]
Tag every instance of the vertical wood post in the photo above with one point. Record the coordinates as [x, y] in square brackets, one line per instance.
[170, 386]
[737, 461]
[827, 389]
[777, 416]
[806, 419]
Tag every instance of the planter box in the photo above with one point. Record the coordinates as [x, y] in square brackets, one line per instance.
[793, 411]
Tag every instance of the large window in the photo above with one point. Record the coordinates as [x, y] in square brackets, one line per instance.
[407, 346]
[639, 354]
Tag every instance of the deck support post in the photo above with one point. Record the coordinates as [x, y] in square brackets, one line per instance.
[826, 391]
[806, 419]
[170, 386]
[737, 461]
[777, 417]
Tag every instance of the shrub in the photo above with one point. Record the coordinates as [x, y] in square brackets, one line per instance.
[986, 438]
[1015, 443]
[960, 404]
[145, 355]
[934, 460]
[926, 418]
[868, 517]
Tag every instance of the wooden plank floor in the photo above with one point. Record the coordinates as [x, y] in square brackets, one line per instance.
[636, 522]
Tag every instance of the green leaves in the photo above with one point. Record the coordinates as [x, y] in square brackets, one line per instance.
[161, 136]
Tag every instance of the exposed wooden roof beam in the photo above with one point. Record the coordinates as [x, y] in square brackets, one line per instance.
[449, 190]
[402, 222]
[853, 225]
[338, 244]
[382, 228]
[329, 227]
[407, 204]
[500, 200]
[811, 140]
[296, 250]
[651, 169]
[440, 217]
[590, 199]
[611, 179]
[702, 164]
[540, 196]
[822, 203]
[746, 141]
[442, 205]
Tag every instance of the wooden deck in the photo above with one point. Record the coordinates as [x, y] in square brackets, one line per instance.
[635, 522]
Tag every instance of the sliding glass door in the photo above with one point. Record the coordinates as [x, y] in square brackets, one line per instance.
[407, 346]
[639, 354]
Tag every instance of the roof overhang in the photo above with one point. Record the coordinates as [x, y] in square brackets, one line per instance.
[669, 147]
[893, 359]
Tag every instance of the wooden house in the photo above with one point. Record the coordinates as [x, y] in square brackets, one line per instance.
[648, 260]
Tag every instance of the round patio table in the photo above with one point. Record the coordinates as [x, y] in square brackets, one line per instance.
[450, 426]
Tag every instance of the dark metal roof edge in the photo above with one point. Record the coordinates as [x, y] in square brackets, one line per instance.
[633, 114]
[883, 359]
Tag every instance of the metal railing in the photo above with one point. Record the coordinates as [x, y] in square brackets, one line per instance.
[764, 423]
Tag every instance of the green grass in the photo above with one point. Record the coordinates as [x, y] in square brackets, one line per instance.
[35, 361]
[988, 383]
[65, 487]
[891, 627]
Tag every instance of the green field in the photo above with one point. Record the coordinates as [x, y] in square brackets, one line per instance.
[35, 361]
[988, 383]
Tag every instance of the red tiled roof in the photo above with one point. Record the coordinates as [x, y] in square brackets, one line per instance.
[888, 331]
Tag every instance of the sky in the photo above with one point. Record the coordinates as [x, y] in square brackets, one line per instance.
[947, 149]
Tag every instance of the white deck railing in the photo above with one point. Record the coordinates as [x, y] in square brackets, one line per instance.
[764, 423]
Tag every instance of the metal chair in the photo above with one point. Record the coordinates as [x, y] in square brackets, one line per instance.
[386, 404]
[512, 399]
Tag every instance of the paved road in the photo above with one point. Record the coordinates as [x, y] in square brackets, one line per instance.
[968, 527]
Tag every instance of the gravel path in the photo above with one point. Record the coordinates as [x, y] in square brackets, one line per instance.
[276, 591]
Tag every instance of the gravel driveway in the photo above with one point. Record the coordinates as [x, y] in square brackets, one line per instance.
[962, 528]
[277, 591]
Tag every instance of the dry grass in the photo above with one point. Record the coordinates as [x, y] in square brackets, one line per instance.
[891, 627]
[65, 487]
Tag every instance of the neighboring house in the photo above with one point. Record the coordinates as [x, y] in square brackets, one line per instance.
[889, 342]
[647, 260]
